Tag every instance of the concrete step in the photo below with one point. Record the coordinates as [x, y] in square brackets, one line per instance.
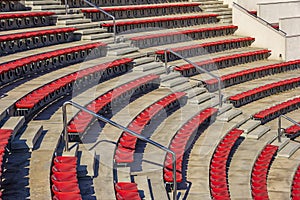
[73, 22]
[97, 36]
[213, 6]
[229, 115]
[225, 107]
[70, 17]
[174, 82]
[171, 76]
[34, 3]
[209, 2]
[48, 7]
[117, 46]
[218, 9]
[15, 124]
[195, 91]
[142, 182]
[184, 87]
[73, 149]
[201, 98]
[86, 25]
[250, 125]
[91, 31]
[283, 143]
[289, 149]
[123, 51]
[144, 60]
[28, 138]
[124, 174]
[87, 161]
[258, 132]
[148, 66]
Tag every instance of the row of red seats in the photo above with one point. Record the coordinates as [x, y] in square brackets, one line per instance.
[64, 178]
[127, 142]
[224, 61]
[250, 74]
[293, 130]
[5, 135]
[181, 36]
[141, 7]
[59, 87]
[260, 172]
[127, 191]
[263, 91]
[277, 110]
[24, 66]
[81, 120]
[296, 185]
[30, 34]
[218, 166]
[180, 140]
[25, 14]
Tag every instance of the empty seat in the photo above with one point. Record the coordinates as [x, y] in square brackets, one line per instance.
[295, 190]
[127, 190]
[292, 130]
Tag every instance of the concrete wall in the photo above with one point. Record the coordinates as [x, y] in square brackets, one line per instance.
[293, 47]
[271, 12]
[290, 25]
[265, 36]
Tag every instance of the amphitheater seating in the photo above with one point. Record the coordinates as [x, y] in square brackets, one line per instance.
[209, 47]
[34, 39]
[5, 135]
[277, 110]
[162, 22]
[9, 21]
[292, 130]
[49, 92]
[16, 69]
[127, 190]
[81, 121]
[64, 178]
[180, 141]
[250, 74]
[260, 172]
[218, 173]
[126, 145]
[135, 11]
[181, 36]
[222, 62]
[11, 5]
[296, 185]
[263, 91]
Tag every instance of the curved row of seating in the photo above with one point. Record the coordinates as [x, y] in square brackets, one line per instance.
[292, 130]
[135, 11]
[219, 164]
[263, 91]
[9, 21]
[81, 121]
[16, 42]
[251, 74]
[5, 135]
[38, 98]
[260, 172]
[182, 141]
[295, 195]
[223, 62]
[16, 69]
[7, 6]
[277, 110]
[204, 48]
[127, 190]
[161, 22]
[181, 36]
[125, 149]
[64, 178]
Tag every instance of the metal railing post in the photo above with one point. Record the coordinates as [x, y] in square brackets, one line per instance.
[66, 6]
[103, 119]
[280, 125]
[200, 69]
[109, 15]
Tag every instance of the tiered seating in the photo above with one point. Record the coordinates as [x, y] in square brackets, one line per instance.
[296, 185]
[34, 39]
[218, 166]
[9, 21]
[292, 130]
[16, 69]
[127, 143]
[209, 47]
[11, 5]
[250, 74]
[49, 92]
[162, 22]
[180, 142]
[5, 135]
[263, 91]
[224, 61]
[127, 190]
[260, 172]
[181, 36]
[136, 11]
[80, 122]
[277, 110]
[64, 178]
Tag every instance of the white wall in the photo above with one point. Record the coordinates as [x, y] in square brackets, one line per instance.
[265, 36]
[292, 47]
[271, 12]
[290, 25]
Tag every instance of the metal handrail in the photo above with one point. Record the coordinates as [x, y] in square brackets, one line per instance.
[280, 127]
[103, 119]
[66, 6]
[166, 51]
